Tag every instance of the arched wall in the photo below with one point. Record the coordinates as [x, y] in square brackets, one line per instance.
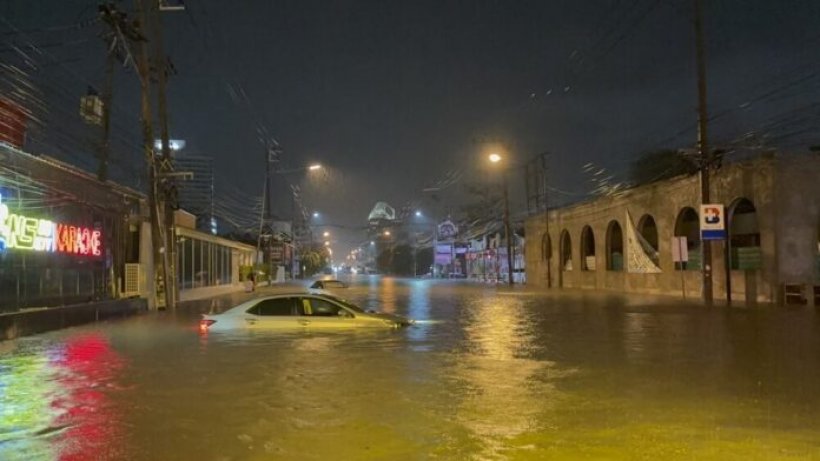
[666, 202]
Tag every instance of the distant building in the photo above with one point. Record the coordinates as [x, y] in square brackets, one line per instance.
[196, 194]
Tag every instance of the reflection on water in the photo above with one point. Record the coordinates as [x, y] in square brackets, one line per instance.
[505, 387]
[55, 401]
[486, 374]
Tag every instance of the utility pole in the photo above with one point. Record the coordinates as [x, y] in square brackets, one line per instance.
[507, 231]
[703, 148]
[548, 250]
[166, 166]
[108, 88]
[157, 228]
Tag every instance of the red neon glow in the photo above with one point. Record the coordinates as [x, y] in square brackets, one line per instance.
[78, 240]
[87, 375]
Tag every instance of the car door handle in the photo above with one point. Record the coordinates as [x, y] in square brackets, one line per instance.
[304, 322]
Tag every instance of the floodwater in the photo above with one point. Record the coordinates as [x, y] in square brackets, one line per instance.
[488, 373]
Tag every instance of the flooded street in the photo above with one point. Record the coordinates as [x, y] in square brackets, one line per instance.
[488, 373]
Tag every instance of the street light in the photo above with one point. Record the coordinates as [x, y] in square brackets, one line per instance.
[315, 167]
[387, 233]
[496, 158]
[315, 214]
[327, 243]
[418, 214]
[326, 234]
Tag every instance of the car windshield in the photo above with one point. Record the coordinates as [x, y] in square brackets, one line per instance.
[345, 303]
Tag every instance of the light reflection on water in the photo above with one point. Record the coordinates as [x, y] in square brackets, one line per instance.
[486, 374]
[55, 401]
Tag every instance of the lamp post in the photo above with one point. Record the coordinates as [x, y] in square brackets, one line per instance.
[496, 158]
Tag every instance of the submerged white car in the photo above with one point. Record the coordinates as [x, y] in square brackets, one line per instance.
[299, 310]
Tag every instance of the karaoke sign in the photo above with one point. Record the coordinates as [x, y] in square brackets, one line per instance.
[21, 232]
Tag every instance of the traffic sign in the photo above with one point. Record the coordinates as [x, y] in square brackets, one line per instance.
[712, 222]
[680, 251]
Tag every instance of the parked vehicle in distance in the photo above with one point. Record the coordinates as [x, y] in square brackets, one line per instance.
[298, 310]
[328, 284]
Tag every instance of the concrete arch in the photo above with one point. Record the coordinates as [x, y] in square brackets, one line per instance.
[744, 235]
[648, 229]
[614, 246]
[566, 251]
[587, 249]
[687, 224]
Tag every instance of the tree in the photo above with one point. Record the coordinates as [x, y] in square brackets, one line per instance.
[400, 260]
[662, 164]
[314, 259]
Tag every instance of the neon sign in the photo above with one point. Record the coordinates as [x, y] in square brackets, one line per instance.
[22, 232]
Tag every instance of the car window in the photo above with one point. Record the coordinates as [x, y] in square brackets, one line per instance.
[335, 284]
[317, 284]
[273, 307]
[345, 303]
[324, 308]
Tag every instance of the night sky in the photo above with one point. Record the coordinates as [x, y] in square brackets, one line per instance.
[394, 95]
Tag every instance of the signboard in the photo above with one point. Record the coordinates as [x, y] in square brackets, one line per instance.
[680, 252]
[447, 230]
[277, 253]
[23, 232]
[712, 222]
[444, 254]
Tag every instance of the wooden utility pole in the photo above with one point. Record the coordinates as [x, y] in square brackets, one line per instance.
[548, 250]
[166, 166]
[507, 228]
[157, 227]
[108, 88]
[703, 148]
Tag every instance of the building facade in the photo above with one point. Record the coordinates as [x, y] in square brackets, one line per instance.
[65, 237]
[206, 263]
[625, 242]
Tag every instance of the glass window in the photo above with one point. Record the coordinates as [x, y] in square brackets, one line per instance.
[324, 308]
[273, 307]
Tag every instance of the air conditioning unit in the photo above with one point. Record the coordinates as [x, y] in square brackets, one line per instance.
[132, 280]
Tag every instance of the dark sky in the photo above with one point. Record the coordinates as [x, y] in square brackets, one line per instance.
[393, 95]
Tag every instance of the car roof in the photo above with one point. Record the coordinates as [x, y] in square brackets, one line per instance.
[242, 307]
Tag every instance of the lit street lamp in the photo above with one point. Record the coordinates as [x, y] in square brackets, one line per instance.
[496, 158]
[315, 167]
[387, 233]
[326, 234]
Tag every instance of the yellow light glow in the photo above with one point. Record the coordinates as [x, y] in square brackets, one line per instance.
[495, 158]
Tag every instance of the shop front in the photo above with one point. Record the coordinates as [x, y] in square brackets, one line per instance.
[207, 263]
[57, 247]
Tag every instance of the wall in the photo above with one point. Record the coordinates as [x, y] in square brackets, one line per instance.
[31, 322]
[787, 209]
